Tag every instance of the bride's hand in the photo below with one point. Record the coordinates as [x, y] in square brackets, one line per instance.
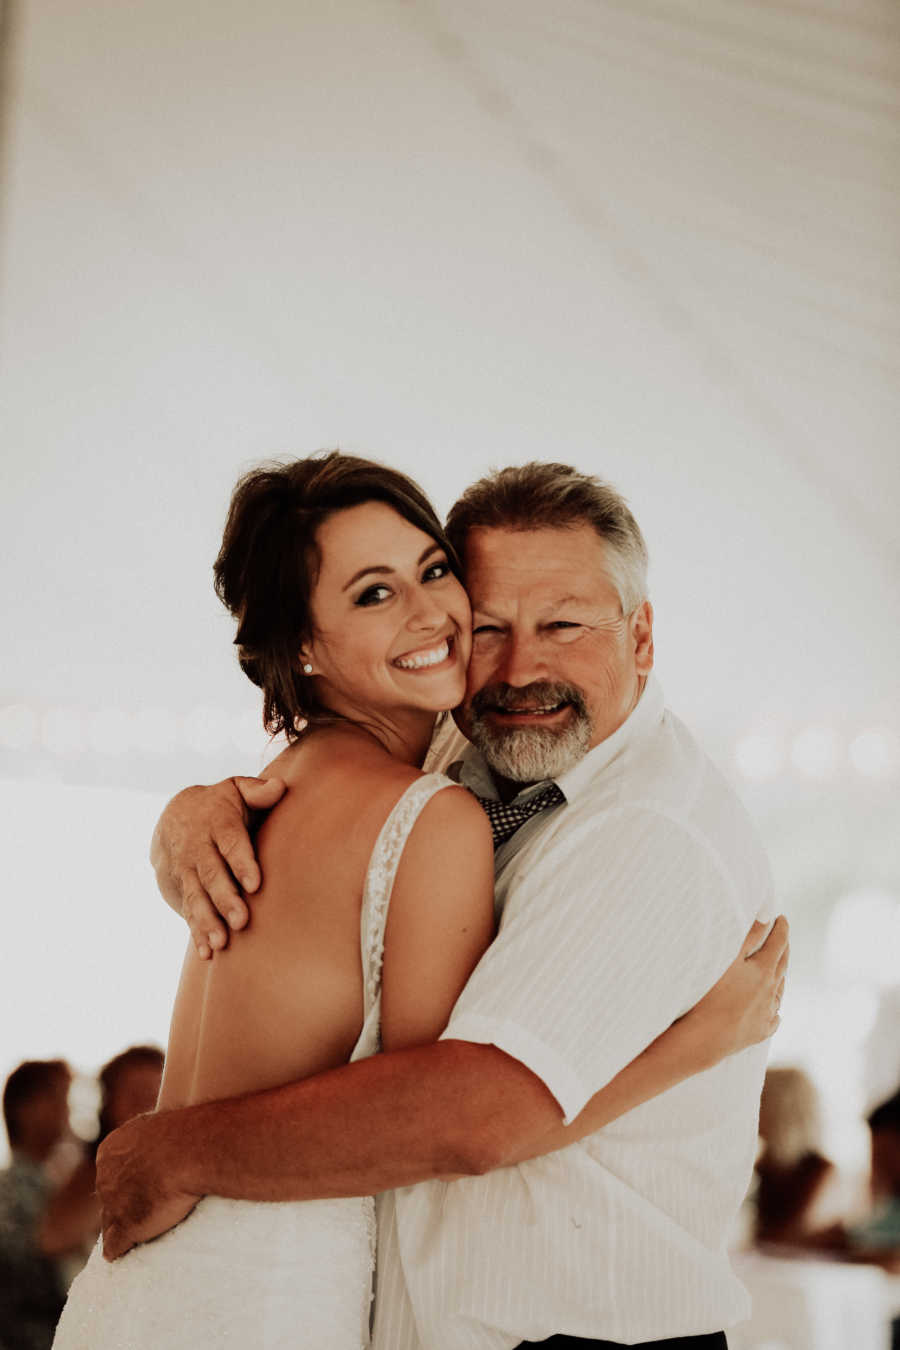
[743, 1007]
[138, 1204]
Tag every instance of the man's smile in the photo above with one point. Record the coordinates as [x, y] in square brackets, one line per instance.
[527, 714]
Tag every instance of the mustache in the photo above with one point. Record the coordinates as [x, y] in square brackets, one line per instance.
[512, 698]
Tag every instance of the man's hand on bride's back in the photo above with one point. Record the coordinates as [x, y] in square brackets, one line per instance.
[203, 856]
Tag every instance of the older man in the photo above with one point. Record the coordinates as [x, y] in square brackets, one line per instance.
[627, 875]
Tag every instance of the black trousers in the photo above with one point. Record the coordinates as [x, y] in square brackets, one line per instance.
[715, 1341]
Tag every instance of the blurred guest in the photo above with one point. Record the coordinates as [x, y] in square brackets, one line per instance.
[36, 1112]
[129, 1085]
[877, 1238]
[797, 1185]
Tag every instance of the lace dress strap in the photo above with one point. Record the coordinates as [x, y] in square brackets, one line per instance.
[380, 876]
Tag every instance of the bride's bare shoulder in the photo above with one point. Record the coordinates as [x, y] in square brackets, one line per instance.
[339, 765]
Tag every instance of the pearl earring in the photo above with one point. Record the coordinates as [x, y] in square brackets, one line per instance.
[307, 668]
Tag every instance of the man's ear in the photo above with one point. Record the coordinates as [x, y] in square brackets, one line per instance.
[642, 632]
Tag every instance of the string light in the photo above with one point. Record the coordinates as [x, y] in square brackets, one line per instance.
[759, 756]
[814, 752]
[863, 938]
[155, 731]
[873, 753]
[206, 730]
[63, 731]
[110, 731]
[72, 731]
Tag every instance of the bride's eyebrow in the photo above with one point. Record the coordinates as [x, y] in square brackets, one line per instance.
[381, 569]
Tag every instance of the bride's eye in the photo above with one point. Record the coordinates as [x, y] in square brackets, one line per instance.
[434, 571]
[373, 595]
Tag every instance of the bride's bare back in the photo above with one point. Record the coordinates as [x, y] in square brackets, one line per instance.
[285, 999]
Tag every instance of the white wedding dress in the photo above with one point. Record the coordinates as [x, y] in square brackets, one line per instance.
[286, 1276]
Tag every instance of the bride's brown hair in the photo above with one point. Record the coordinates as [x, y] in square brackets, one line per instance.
[269, 561]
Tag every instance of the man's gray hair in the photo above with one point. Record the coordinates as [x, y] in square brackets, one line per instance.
[539, 496]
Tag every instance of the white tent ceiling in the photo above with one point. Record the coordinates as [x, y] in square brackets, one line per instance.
[656, 238]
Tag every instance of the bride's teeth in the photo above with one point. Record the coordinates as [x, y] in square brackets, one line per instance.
[432, 658]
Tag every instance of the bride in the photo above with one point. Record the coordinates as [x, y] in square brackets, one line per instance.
[377, 903]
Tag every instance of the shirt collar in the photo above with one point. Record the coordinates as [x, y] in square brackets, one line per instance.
[644, 716]
[472, 772]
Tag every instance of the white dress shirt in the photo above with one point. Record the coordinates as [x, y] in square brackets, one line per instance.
[620, 909]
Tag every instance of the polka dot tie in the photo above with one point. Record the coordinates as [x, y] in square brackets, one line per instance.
[507, 817]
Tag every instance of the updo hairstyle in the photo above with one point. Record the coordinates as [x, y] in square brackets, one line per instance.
[269, 562]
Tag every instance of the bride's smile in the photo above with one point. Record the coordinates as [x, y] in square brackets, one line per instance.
[425, 659]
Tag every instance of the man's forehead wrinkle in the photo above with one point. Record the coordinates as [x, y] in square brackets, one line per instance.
[542, 607]
[573, 599]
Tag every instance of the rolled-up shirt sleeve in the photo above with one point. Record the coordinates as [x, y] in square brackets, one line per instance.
[618, 930]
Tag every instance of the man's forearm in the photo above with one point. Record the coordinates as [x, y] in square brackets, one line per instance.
[435, 1111]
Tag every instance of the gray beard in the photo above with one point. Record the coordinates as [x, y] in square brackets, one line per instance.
[530, 754]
